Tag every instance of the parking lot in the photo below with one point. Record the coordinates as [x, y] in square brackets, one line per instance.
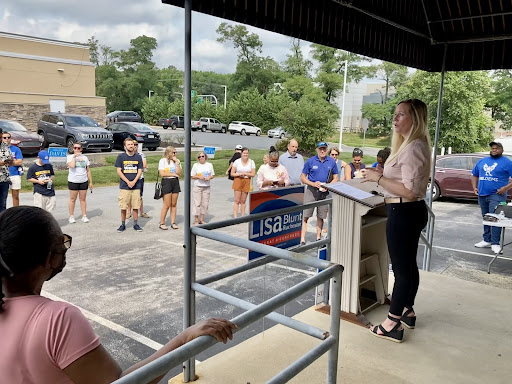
[130, 284]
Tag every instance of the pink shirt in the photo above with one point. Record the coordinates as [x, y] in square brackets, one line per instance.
[39, 338]
[411, 167]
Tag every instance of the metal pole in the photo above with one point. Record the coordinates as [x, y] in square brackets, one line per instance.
[332, 362]
[430, 228]
[225, 96]
[343, 103]
[188, 294]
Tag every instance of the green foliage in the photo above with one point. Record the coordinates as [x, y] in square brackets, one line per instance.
[379, 118]
[501, 98]
[295, 64]
[464, 126]
[155, 108]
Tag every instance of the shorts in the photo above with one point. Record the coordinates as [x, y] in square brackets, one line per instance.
[140, 185]
[170, 185]
[45, 202]
[313, 194]
[78, 186]
[129, 197]
[15, 182]
[242, 184]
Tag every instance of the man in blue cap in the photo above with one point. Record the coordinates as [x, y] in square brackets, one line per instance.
[318, 170]
[41, 175]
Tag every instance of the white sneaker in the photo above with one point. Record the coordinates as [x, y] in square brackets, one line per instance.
[85, 219]
[483, 244]
[71, 220]
[496, 248]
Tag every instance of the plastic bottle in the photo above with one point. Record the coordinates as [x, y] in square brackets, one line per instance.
[49, 185]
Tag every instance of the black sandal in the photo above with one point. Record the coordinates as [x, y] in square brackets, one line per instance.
[394, 334]
[408, 321]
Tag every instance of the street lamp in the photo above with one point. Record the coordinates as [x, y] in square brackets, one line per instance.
[225, 94]
[343, 102]
[149, 93]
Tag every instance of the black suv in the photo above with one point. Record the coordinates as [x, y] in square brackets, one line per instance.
[67, 129]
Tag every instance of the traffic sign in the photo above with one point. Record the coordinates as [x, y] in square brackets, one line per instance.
[192, 93]
[57, 154]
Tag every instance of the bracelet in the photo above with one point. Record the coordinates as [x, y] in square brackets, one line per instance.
[378, 181]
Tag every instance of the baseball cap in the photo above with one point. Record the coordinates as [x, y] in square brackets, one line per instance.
[238, 147]
[496, 143]
[322, 144]
[44, 156]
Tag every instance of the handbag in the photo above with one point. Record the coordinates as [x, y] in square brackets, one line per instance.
[158, 187]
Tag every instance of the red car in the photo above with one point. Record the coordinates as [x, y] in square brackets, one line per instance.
[30, 143]
[453, 175]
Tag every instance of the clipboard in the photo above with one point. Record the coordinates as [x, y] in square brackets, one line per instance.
[367, 193]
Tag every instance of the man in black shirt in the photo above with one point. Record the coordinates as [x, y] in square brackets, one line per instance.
[237, 155]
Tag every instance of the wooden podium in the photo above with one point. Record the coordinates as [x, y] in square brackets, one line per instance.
[358, 242]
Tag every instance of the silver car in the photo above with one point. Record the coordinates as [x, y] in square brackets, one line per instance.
[278, 132]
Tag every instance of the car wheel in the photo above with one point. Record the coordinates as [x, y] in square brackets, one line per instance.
[173, 126]
[45, 142]
[70, 142]
[282, 136]
[223, 130]
[152, 149]
[106, 150]
[243, 133]
[203, 129]
[258, 133]
[232, 132]
[436, 192]
[165, 126]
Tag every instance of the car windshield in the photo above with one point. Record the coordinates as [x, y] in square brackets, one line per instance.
[12, 126]
[80, 121]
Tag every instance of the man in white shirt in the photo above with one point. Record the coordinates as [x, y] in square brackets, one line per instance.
[293, 162]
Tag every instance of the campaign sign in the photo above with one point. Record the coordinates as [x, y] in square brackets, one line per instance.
[57, 154]
[210, 152]
[282, 231]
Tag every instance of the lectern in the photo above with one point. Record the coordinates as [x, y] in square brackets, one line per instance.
[358, 242]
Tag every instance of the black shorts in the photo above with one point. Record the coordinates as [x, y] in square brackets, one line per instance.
[78, 186]
[140, 185]
[170, 185]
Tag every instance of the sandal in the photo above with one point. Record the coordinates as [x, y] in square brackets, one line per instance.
[163, 226]
[394, 334]
[201, 222]
[408, 321]
[174, 226]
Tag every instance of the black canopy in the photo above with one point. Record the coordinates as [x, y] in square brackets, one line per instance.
[477, 33]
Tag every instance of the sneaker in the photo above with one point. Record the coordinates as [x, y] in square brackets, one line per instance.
[71, 220]
[496, 248]
[145, 215]
[85, 219]
[121, 228]
[483, 244]
[137, 228]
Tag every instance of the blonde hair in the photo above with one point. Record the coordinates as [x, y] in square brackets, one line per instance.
[419, 128]
[202, 153]
[169, 152]
[333, 149]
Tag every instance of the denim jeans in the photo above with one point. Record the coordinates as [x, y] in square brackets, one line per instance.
[4, 192]
[488, 204]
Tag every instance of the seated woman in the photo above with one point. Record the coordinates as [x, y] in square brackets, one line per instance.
[273, 174]
[46, 341]
[354, 168]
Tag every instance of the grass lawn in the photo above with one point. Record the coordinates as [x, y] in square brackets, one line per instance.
[356, 140]
[107, 175]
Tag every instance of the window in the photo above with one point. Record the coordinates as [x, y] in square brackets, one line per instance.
[459, 162]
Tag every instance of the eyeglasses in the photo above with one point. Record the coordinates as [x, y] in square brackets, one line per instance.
[67, 241]
[6, 137]
[201, 156]
[77, 147]
[334, 154]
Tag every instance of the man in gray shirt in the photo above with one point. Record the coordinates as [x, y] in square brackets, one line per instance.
[293, 162]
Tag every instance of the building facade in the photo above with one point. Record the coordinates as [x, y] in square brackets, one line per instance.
[41, 75]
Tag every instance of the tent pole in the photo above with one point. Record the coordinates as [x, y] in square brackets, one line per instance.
[430, 227]
[189, 262]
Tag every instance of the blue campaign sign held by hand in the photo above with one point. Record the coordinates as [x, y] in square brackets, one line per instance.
[57, 154]
[210, 152]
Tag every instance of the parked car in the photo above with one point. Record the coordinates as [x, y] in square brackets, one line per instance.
[141, 132]
[207, 123]
[278, 132]
[173, 122]
[30, 143]
[119, 116]
[66, 129]
[453, 175]
[244, 128]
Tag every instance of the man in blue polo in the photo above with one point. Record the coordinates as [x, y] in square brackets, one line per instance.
[318, 170]
[491, 181]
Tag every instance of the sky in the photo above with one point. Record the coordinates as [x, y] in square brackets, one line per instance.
[116, 22]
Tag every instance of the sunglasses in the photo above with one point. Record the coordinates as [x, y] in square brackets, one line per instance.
[67, 241]
[77, 147]
[201, 156]
[6, 137]
[334, 154]
[174, 152]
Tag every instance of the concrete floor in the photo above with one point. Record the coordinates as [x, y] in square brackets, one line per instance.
[463, 335]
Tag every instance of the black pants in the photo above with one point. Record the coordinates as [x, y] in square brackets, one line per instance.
[403, 228]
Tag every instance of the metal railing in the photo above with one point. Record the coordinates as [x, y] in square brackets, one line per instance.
[330, 271]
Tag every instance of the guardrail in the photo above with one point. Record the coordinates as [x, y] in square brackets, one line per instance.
[330, 272]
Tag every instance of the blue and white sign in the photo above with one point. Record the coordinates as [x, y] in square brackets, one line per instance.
[210, 152]
[57, 154]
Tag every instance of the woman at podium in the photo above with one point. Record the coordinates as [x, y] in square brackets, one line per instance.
[404, 179]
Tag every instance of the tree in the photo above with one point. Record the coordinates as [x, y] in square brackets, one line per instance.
[332, 66]
[500, 101]
[465, 125]
[247, 44]
[295, 64]
[139, 54]
[393, 74]
[93, 50]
